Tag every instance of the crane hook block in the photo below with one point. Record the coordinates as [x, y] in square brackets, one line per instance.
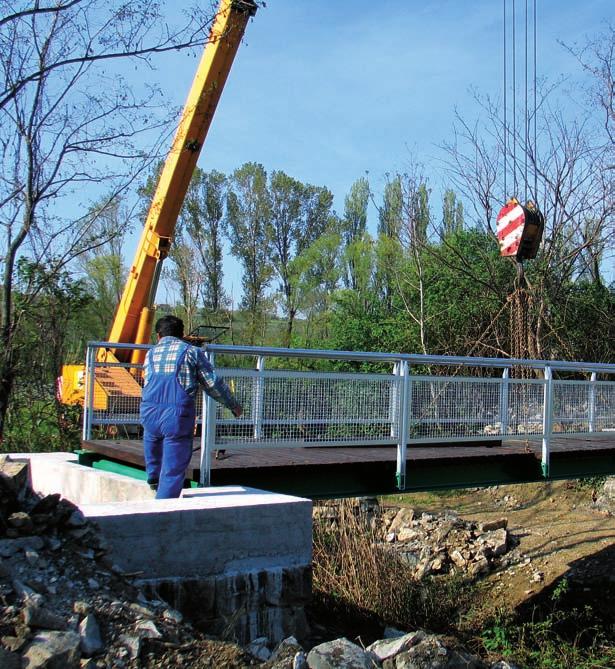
[519, 230]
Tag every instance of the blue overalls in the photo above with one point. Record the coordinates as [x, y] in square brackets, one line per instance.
[167, 415]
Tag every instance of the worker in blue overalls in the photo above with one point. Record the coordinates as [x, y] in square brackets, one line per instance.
[174, 372]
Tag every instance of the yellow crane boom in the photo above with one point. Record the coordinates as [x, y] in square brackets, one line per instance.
[133, 318]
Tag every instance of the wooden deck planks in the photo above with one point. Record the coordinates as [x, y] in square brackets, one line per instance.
[131, 451]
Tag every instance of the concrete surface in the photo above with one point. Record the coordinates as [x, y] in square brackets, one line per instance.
[207, 532]
[61, 473]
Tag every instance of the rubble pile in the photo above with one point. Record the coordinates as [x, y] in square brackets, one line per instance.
[432, 543]
[445, 543]
[414, 650]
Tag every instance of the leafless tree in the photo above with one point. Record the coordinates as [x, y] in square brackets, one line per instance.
[570, 165]
[71, 127]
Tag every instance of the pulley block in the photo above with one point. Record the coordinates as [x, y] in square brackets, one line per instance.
[519, 230]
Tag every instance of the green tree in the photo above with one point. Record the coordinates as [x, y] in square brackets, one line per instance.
[50, 302]
[205, 226]
[249, 216]
[389, 249]
[390, 215]
[317, 270]
[299, 215]
[354, 225]
[452, 212]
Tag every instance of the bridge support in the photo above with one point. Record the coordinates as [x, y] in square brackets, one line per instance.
[405, 400]
[547, 421]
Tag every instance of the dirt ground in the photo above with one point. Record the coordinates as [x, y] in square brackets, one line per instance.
[559, 531]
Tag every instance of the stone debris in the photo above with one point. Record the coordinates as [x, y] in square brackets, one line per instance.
[604, 500]
[339, 653]
[91, 640]
[435, 544]
[63, 604]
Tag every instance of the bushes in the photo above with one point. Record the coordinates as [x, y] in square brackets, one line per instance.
[41, 425]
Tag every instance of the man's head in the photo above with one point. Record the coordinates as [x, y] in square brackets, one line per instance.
[169, 326]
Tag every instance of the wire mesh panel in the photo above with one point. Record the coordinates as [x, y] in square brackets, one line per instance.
[445, 408]
[525, 406]
[116, 393]
[309, 408]
[572, 401]
[604, 406]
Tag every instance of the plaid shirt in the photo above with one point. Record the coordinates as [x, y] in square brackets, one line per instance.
[194, 371]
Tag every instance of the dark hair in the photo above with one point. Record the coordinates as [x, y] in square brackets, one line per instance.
[170, 326]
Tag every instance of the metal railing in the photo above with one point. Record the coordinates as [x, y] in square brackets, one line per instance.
[417, 399]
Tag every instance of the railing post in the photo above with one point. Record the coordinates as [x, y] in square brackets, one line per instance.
[88, 400]
[208, 434]
[504, 388]
[547, 422]
[592, 403]
[404, 402]
[394, 401]
[257, 402]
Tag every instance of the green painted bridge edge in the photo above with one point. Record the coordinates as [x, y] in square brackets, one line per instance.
[97, 461]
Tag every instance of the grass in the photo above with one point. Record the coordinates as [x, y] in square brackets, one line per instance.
[540, 644]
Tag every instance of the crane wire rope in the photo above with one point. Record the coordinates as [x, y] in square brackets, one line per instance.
[535, 144]
[514, 94]
[526, 120]
[520, 300]
[505, 103]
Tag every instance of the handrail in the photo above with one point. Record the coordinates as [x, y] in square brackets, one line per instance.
[362, 356]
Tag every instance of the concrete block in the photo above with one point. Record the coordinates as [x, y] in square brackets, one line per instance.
[211, 531]
[236, 559]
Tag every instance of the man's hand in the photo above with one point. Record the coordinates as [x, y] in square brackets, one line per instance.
[237, 410]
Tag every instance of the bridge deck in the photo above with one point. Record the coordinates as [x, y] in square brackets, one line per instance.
[318, 472]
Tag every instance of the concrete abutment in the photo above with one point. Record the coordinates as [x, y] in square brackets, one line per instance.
[235, 560]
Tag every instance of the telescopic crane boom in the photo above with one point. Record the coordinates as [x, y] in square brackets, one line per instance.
[134, 315]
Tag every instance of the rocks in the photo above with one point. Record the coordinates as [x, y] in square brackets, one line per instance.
[53, 650]
[337, 654]
[42, 618]
[491, 525]
[444, 543]
[9, 660]
[605, 498]
[436, 653]
[91, 642]
[388, 648]
[258, 649]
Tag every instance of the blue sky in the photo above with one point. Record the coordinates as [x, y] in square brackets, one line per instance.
[327, 90]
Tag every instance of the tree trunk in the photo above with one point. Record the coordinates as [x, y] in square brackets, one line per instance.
[7, 378]
[289, 327]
